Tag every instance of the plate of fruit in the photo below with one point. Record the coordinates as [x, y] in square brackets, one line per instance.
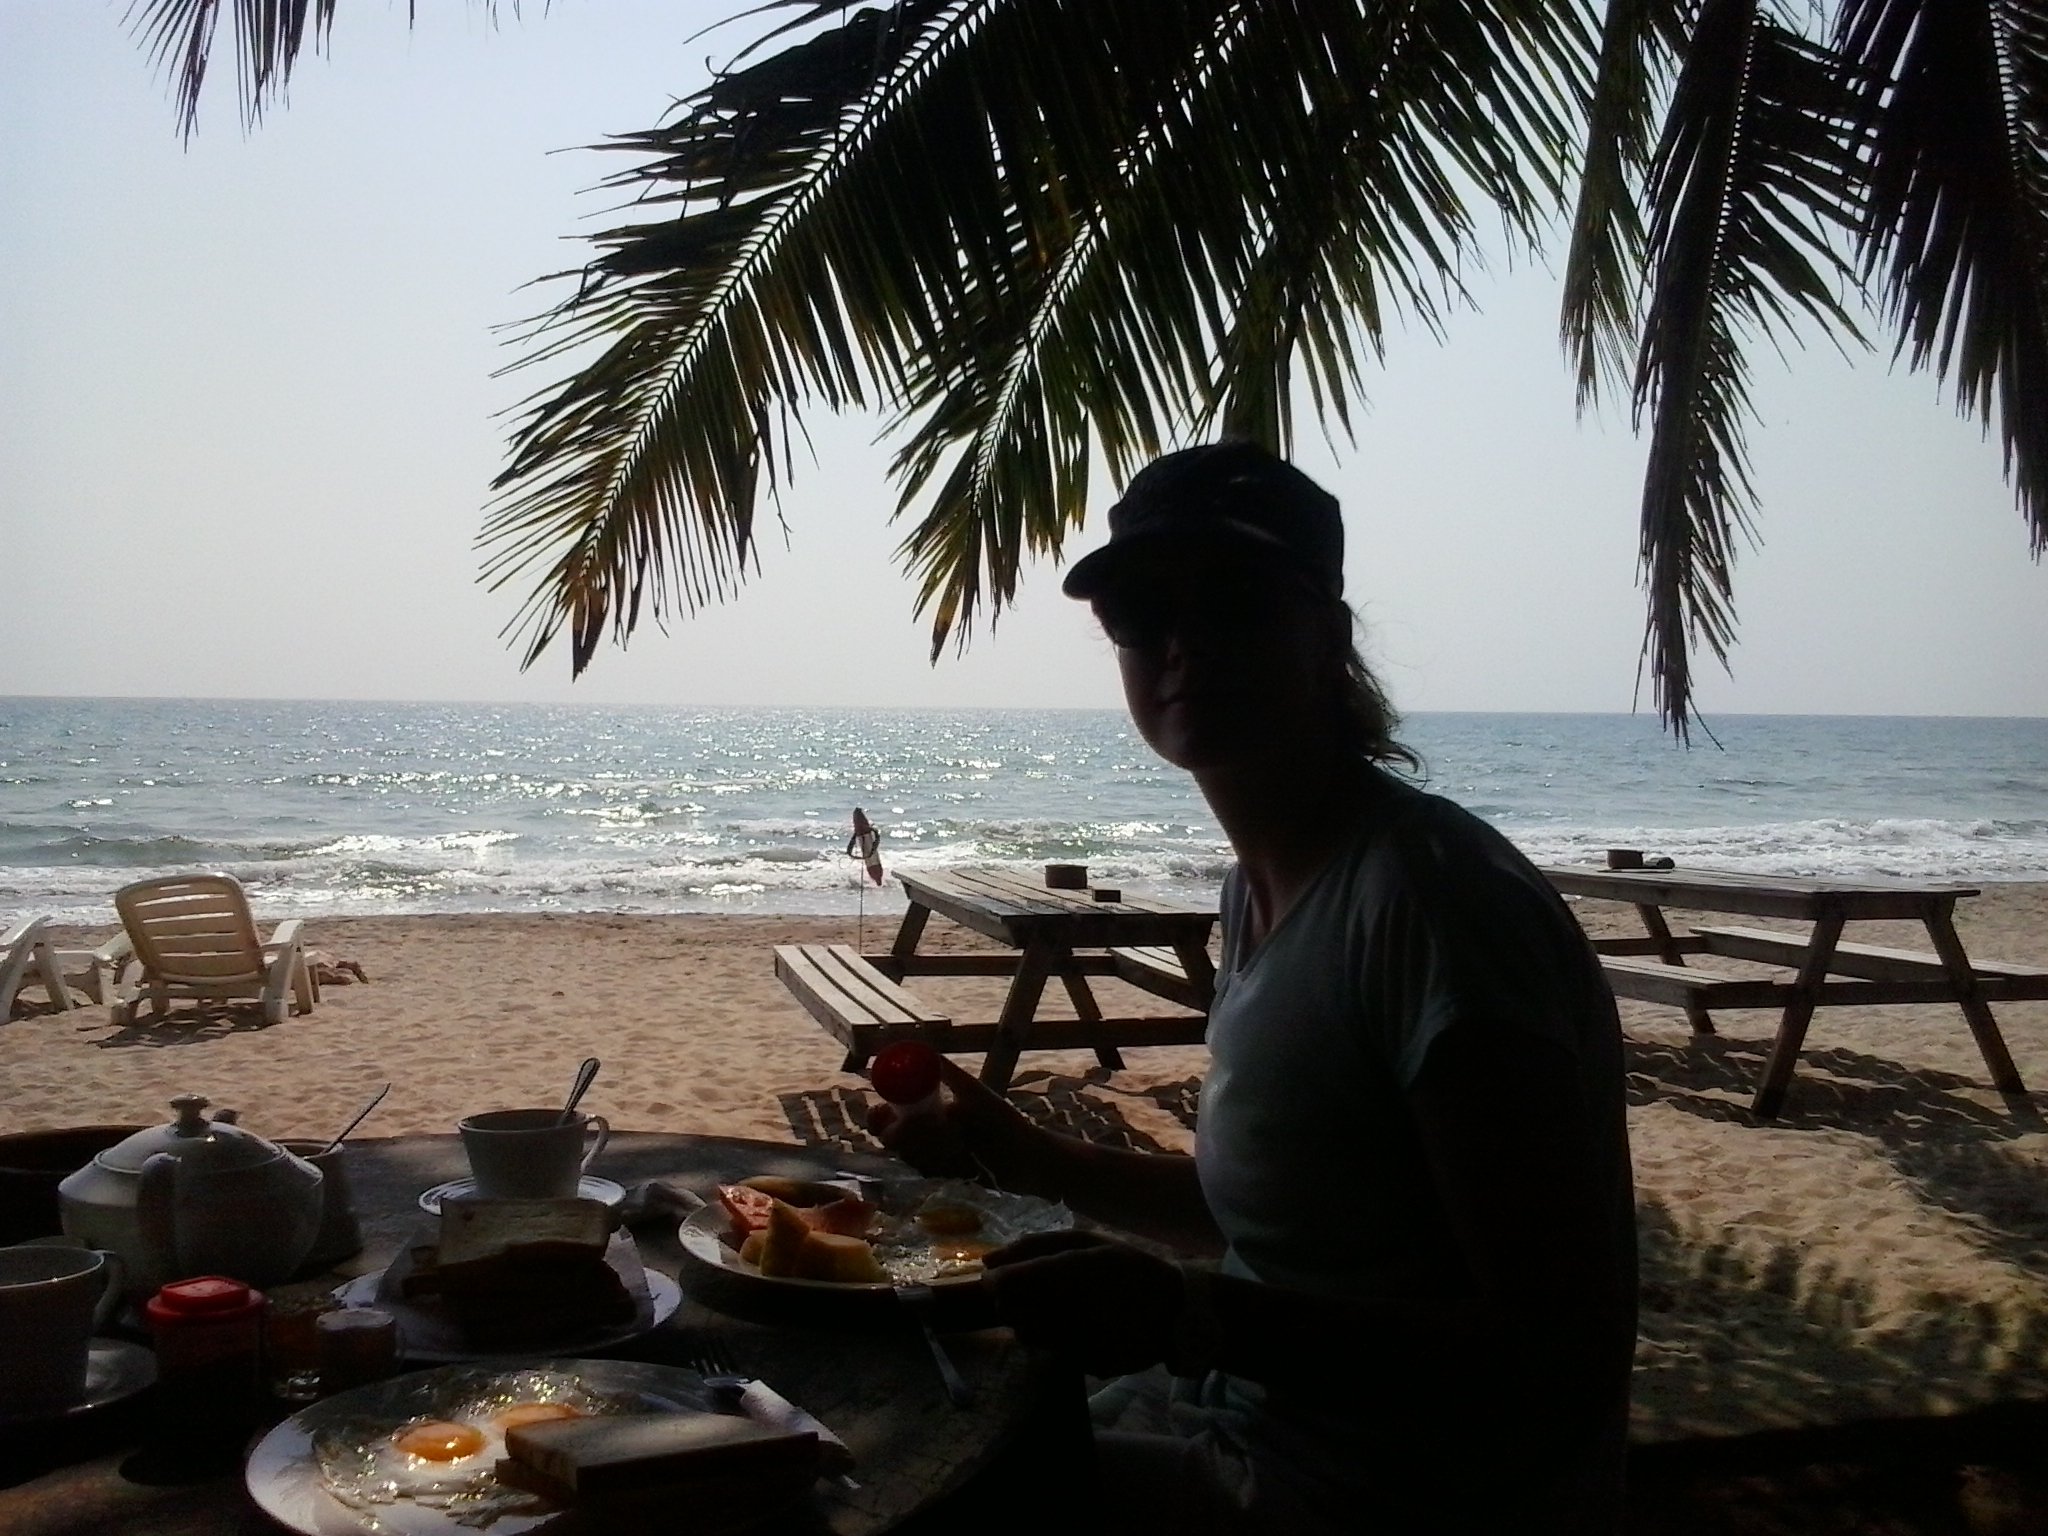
[864, 1237]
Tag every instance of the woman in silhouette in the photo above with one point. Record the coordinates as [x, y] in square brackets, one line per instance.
[1410, 1155]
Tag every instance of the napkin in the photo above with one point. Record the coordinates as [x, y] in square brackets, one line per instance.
[655, 1201]
[769, 1408]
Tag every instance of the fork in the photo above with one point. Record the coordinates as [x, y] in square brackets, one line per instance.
[722, 1378]
[917, 1298]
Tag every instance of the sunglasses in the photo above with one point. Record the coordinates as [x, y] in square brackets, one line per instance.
[1147, 618]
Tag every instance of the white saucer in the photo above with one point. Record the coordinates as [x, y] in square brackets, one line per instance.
[426, 1336]
[589, 1187]
[114, 1369]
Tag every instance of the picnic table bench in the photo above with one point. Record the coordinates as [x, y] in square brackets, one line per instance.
[1156, 946]
[1826, 971]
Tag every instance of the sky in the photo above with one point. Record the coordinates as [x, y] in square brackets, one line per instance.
[248, 418]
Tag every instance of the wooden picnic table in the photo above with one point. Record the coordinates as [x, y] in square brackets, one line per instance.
[1157, 946]
[1826, 971]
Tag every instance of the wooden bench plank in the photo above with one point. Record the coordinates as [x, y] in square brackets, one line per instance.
[964, 1037]
[1157, 969]
[856, 1003]
[1874, 962]
[1678, 986]
[1648, 944]
[968, 963]
[864, 1010]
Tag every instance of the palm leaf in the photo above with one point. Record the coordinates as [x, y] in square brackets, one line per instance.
[1343, 209]
[1031, 229]
[1756, 173]
[1955, 97]
[1639, 41]
[269, 34]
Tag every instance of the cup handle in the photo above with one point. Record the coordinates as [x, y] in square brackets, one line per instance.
[603, 1127]
[112, 1292]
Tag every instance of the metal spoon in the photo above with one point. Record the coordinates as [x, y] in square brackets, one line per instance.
[584, 1074]
[361, 1115]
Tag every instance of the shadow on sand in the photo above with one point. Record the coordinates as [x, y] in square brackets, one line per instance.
[1960, 1154]
[186, 1026]
[1083, 1107]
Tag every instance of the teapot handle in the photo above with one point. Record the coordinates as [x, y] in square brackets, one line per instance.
[155, 1205]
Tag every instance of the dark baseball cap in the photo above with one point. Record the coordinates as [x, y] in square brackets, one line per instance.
[1236, 495]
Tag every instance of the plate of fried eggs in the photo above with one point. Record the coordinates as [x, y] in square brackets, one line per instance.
[417, 1455]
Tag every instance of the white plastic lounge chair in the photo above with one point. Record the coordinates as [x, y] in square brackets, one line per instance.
[24, 948]
[97, 972]
[193, 938]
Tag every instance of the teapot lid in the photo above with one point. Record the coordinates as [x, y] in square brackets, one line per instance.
[215, 1143]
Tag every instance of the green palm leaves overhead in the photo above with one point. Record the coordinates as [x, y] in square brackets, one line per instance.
[1048, 238]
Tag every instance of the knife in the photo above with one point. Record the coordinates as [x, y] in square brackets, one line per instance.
[917, 1299]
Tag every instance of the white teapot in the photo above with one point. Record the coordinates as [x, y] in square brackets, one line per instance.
[196, 1197]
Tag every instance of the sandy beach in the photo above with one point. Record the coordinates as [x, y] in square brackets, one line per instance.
[1881, 1250]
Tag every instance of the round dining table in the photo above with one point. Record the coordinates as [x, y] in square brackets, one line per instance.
[1014, 1457]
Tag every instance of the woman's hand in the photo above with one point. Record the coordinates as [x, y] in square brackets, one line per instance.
[1105, 1305]
[977, 1134]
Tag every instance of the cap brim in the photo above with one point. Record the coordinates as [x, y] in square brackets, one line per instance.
[1122, 559]
[1099, 570]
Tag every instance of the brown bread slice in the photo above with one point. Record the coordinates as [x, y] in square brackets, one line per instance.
[579, 1459]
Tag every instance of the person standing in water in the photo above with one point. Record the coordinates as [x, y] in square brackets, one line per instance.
[1410, 1150]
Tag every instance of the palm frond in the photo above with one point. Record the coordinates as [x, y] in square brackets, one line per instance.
[1368, 214]
[626, 497]
[178, 35]
[1030, 229]
[1955, 97]
[1755, 177]
[1639, 41]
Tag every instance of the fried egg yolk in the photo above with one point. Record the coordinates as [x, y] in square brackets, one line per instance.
[949, 1218]
[439, 1440]
[535, 1413]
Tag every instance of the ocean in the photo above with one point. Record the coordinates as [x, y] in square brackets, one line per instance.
[354, 808]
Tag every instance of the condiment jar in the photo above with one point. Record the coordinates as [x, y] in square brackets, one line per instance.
[208, 1333]
[357, 1345]
[906, 1073]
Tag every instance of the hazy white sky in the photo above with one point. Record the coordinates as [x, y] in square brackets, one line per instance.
[247, 422]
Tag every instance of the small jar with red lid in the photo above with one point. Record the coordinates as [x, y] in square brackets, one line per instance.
[208, 1333]
[907, 1074]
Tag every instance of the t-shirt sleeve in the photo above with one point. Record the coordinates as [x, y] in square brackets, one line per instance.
[1452, 936]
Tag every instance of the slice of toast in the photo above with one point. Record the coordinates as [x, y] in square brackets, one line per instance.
[516, 1272]
[475, 1228]
[576, 1460]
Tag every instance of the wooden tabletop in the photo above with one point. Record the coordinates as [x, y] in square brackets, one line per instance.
[1019, 911]
[869, 1377]
[1794, 896]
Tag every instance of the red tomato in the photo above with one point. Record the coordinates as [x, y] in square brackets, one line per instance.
[748, 1208]
[905, 1072]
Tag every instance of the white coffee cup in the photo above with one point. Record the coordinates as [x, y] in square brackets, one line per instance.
[531, 1154]
[53, 1297]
